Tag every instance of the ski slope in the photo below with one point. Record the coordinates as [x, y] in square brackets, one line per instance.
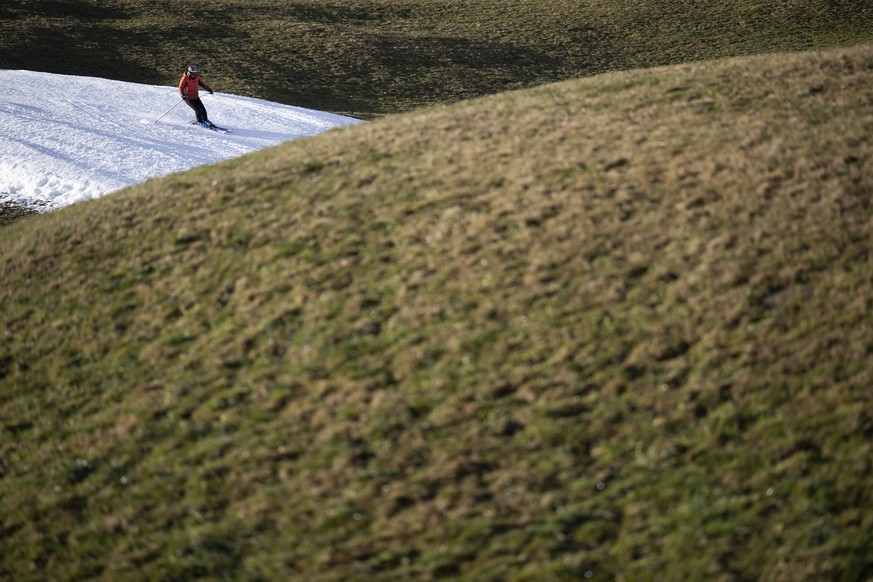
[64, 139]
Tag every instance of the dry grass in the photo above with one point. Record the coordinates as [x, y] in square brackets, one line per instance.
[617, 325]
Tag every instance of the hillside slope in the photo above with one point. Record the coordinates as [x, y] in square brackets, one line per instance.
[615, 327]
[372, 57]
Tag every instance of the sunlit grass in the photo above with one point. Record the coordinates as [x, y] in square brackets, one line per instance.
[616, 326]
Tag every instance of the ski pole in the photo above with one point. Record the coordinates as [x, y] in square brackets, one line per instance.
[171, 108]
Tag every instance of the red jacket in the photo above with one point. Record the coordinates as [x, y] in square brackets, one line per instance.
[188, 86]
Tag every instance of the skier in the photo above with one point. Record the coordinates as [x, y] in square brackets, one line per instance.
[188, 89]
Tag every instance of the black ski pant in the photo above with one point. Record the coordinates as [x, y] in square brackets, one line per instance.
[199, 109]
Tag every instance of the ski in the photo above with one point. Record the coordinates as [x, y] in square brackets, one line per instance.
[211, 126]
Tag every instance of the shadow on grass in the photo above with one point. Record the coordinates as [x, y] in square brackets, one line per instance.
[12, 211]
[374, 70]
[77, 37]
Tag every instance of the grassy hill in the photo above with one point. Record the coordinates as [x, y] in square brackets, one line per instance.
[371, 57]
[616, 327]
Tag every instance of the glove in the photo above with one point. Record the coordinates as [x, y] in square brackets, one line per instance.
[211, 91]
[184, 97]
